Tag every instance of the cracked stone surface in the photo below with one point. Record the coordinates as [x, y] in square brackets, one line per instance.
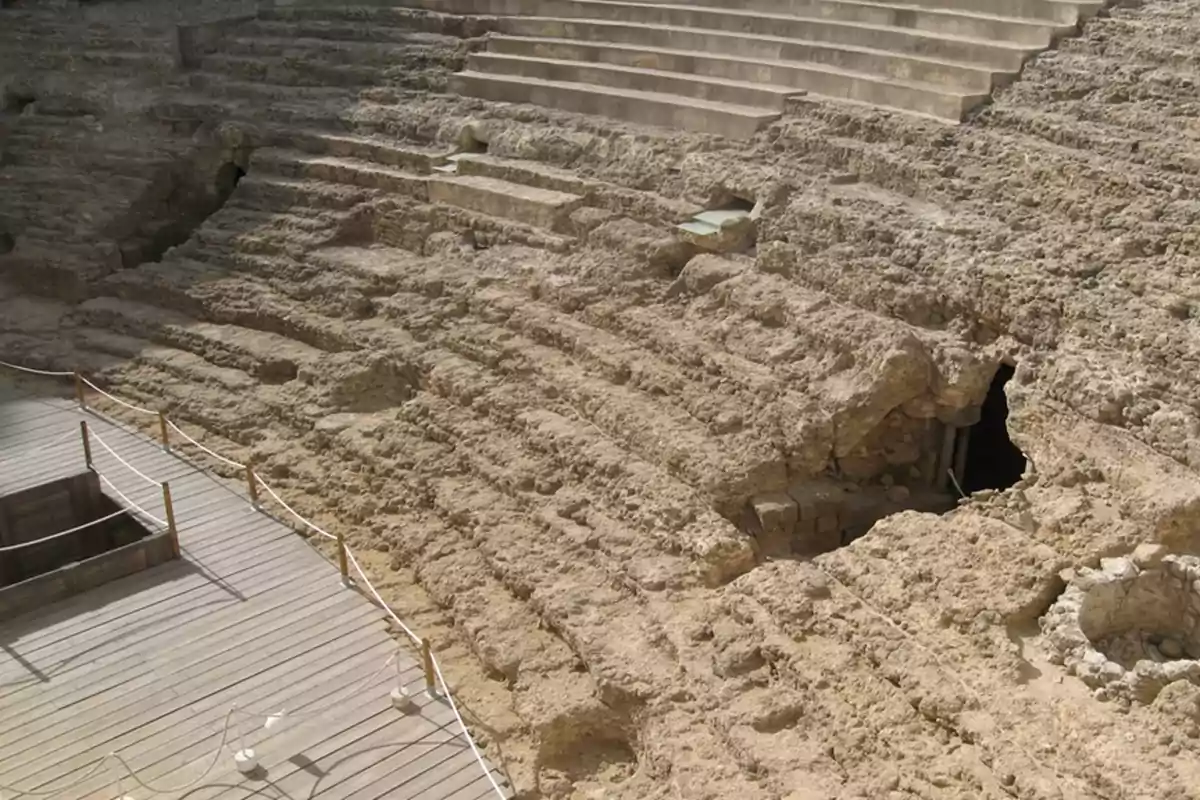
[611, 476]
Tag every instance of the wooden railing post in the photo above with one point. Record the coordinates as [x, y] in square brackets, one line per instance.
[162, 431]
[79, 395]
[169, 508]
[87, 444]
[427, 664]
[343, 562]
[252, 485]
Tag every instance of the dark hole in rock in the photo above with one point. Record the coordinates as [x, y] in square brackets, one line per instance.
[16, 100]
[228, 177]
[169, 221]
[993, 461]
[6, 243]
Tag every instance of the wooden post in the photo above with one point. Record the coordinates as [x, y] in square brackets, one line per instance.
[79, 391]
[252, 485]
[162, 431]
[87, 444]
[343, 564]
[427, 663]
[170, 511]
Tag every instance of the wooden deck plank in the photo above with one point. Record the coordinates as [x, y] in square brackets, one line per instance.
[207, 683]
[186, 585]
[180, 639]
[410, 747]
[409, 777]
[141, 672]
[321, 742]
[290, 686]
[149, 665]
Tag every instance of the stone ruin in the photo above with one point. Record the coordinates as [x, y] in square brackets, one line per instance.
[1130, 627]
[731, 439]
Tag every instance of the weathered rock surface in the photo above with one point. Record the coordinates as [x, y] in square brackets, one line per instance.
[604, 470]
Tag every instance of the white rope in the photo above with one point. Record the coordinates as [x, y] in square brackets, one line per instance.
[176, 789]
[212, 453]
[124, 463]
[118, 400]
[466, 734]
[293, 511]
[121, 494]
[367, 582]
[77, 528]
[33, 371]
[436, 667]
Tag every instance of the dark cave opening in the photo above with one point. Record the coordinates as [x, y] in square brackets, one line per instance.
[7, 243]
[179, 214]
[15, 101]
[228, 177]
[992, 460]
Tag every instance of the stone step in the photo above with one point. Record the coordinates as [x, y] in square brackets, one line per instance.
[270, 191]
[87, 59]
[290, 71]
[357, 172]
[647, 108]
[542, 208]
[993, 25]
[180, 366]
[938, 100]
[329, 30]
[413, 158]
[394, 14]
[409, 228]
[995, 54]
[725, 50]
[75, 38]
[645, 206]
[718, 90]
[268, 356]
[217, 85]
[1067, 12]
[328, 51]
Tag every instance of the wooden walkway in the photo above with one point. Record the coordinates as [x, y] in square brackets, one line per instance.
[149, 666]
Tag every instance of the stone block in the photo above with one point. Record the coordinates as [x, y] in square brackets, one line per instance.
[1149, 554]
[777, 515]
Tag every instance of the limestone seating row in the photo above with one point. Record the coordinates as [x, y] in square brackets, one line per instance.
[544, 208]
[252, 351]
[882, 24]
[719, 90]
[1068, 12]
[939, 89]
[660, 62]
[650, 108]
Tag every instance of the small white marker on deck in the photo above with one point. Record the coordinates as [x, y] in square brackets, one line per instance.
[246, 760]
[401, 700]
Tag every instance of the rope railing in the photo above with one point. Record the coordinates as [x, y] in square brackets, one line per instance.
[202, 448]
[299, 517]
[125, 463]
[114, 398]
[435, 681]
[60, 534]
[129, 502]
[33, 371]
